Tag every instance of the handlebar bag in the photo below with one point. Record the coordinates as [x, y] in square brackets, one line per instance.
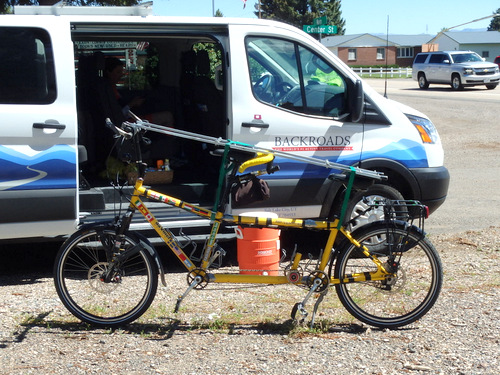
[246, 192]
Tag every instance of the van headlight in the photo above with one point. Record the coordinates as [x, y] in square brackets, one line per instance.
[425, 128]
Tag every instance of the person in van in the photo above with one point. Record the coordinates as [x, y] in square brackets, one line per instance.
[113, 73]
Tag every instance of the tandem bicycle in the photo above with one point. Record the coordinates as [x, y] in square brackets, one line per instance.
[386, 273]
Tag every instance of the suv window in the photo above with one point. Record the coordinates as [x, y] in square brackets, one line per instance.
[420, 59]
[465, 57]
[27, 74]
[288, 75]
[437, 58]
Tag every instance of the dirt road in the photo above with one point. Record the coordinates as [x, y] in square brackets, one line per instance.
[468, 122]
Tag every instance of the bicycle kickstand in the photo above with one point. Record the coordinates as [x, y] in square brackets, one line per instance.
[316, 305]
[196, 281]
[299, 306]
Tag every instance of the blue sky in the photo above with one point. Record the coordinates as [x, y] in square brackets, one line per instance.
[361, 16]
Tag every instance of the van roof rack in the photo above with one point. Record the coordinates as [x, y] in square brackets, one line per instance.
[61, 9]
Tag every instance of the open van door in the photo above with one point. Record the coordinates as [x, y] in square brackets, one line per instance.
[38, 152]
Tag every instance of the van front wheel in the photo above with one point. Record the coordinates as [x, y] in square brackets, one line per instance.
[359, 204]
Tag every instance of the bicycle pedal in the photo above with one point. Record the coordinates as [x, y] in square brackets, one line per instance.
[299, 307]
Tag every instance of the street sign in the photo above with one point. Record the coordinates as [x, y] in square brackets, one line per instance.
[320, 29]
[320, 21]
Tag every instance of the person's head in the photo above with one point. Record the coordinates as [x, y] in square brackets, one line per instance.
[113, 69]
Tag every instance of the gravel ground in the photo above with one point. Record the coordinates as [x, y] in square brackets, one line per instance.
[247, 332]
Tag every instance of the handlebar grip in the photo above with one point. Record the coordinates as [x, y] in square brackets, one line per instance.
[260, 159]
[117, 130]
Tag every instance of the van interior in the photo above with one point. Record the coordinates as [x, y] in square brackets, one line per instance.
[174, 77]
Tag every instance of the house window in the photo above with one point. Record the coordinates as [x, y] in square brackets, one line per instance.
[380, 53]
[485, 54]
[405, 52]
[352, 55]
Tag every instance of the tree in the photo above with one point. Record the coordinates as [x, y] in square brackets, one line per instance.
[6, 6]
[495, 22]
[302, 12]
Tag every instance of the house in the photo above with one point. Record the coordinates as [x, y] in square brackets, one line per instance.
[370, 49]
[485, 43]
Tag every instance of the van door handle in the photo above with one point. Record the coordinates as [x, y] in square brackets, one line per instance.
[43, 125]
[255, 124]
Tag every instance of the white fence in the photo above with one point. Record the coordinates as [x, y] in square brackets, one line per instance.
[381, 72]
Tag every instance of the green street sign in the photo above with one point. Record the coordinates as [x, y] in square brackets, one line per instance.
[320, 21]
[321, 29]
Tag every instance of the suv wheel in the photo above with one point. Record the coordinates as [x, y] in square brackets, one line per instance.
[456, 83]
[491, 86]
[422, 82]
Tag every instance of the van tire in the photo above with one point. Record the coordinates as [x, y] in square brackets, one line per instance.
[456, 82]
[356, 205]
[422, 81]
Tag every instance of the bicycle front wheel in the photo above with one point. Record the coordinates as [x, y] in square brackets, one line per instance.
[399, 300]
[78, 270]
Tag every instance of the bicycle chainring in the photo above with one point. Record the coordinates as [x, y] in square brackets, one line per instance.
[318, 275]
[191, 276]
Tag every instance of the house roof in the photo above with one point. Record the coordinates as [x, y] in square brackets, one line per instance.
[472, 37]
[375, 40]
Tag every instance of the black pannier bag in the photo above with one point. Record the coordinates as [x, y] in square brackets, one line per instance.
[250, 191]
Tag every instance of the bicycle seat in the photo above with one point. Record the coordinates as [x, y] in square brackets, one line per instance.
[238, 156]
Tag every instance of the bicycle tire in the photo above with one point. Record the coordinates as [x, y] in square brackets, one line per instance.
[77, 270]
[409, 296]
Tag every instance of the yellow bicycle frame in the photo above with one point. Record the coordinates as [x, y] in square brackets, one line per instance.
[217, 219]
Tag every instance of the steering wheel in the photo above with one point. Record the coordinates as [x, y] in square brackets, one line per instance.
[282, 89]
[263, 86]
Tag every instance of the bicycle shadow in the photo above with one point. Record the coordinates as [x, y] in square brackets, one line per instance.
[169, 327]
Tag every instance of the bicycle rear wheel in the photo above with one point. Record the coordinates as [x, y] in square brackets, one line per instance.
[397, 301]
[78, 270]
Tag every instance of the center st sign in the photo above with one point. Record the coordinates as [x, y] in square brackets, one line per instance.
[320, 29]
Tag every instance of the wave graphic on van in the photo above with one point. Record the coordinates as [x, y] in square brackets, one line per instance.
[21, 168]
[13, 184]
[405, 151]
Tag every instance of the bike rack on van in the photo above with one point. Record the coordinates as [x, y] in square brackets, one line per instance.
[145, 125]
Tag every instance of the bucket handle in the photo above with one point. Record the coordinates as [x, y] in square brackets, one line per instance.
[239, 233]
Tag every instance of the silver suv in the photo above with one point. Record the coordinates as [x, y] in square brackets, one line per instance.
[455, 68]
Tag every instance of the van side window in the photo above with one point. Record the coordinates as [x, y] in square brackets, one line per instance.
[27, 74]
[287, 75]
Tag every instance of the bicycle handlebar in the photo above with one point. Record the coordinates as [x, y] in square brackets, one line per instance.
[117, 130]
[261, 158]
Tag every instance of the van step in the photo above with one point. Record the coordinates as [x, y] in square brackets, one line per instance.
[91, 200]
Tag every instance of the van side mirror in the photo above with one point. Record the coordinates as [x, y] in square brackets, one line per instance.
[357, 102]
[446, 61]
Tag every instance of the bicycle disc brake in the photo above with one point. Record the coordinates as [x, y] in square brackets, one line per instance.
[96, 282]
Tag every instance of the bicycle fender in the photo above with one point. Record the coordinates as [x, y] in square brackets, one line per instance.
[146, 244]
[139, 238]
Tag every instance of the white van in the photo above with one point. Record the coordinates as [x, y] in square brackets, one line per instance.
[254, 81]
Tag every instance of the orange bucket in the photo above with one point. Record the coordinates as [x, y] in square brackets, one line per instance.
[258, 248]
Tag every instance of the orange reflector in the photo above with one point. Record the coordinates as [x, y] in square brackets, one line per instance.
[423, 134]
